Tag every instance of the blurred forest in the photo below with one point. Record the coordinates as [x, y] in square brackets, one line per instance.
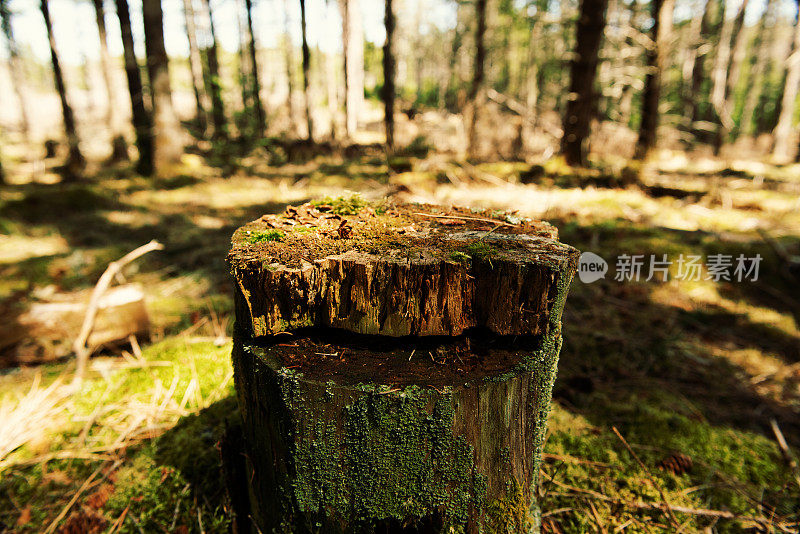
[634, 126]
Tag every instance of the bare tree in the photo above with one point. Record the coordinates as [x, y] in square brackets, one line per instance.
[476, 91]
[758, 71]
[330, 72]
[701, 50]
[167, 148]
[255, 80]
[728, 67]
[213, 81]
[353, 42]
[75, 161]
[783, 130]
[289, 64]
[582, 96]
[119, 148]
[15, 65]
[196, 66]
[306, 69]
[389, 73]
[140, 117]
[656, 62]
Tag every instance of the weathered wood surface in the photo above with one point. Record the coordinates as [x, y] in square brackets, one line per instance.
[45, 331]
[399, 270]
[442, 437]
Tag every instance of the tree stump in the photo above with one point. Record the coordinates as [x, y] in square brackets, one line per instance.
[394, 366]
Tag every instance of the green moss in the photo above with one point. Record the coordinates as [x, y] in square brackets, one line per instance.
[343, 205]
[460, 257]
[266, 236]
[512, 514]
[481, 249]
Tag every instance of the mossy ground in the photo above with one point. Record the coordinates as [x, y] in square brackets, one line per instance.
[696, 368]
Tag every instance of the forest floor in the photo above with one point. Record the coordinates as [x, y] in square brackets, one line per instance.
[691, 374]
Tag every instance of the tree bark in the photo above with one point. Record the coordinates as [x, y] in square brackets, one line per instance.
[730, 74]
[167, 147]
[196, 65]
[353, 42]
[701, 50]
[16, 68]
[287, 44]
[389, 73]
[783, 138]
[142, 120]
[657, 62]
[330, 72]
[255, 82]
[449, 437]
[75, 162]
[306, 73]
[119, 148]
[214, 81]
[582, 94]
[476, 91]
[758, 71]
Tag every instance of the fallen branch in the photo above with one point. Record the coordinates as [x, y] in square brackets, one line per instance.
[493, 221]
[787, 453]
[79, 346]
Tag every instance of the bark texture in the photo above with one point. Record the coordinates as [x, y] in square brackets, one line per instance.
[167, 147]
[582, 98]
[389, 73]
[141, 119]
[476, 94]
[306, 72]
[75, 161]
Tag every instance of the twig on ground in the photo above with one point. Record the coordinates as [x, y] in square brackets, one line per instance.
[672, 519]
[77, 496]
[787, 453]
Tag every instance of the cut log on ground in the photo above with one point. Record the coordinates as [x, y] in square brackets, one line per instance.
[394, 368]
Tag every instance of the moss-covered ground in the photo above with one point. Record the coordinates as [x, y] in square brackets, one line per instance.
[691, 374]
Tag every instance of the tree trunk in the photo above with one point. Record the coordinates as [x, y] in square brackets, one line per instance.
[330, 71]
[119, 148]
[582, 94]
[701, 50]
[142, 120]
[287, 44]
[214, 81]
[255, 82]
[306, 70]
[724, 101]
[761, 57]
[167, 147]
[657, 63]
[783, 138]
[16, 68]
[75, 162]
[353, 42]
[449, 437]
[196, 65]
[476, 91]
[389, 73]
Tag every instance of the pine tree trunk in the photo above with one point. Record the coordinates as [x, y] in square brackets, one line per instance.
[738, 49]
[582, 94]
[783, 138]
[141, 119]
[196, 65]
[353, 43]
[758, 71]
[435, 421]
[214, 81]
[389, 73]
[287, 45]
[255, 82]
[476, 91]
[656, 62]
[119, 148]
[75, 162]
[167, 147]
[330, 71]
[16, 68]
[306, 73]
[701, 50]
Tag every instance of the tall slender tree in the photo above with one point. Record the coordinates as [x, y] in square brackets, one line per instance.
[702, 50]
[119, 148]
[15, 65]
[141, 119]
[389, 73]
[330, 71]
[196, 67]
[289, 65]
[255, 80]
[75, 161]
[783, 130]
[727, 76]
[167, 147]
[476, 90]
[214, 81]
[758, 70]
[657, 62]
[583, 70]
[353, 43]
[306, 71]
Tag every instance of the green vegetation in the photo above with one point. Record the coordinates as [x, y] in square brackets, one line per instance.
[343, 205]
[266, 236]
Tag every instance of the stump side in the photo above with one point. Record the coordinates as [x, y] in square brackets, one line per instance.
[403, 272]
[327, 457]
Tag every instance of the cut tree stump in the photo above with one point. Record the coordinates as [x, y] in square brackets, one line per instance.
[394, 367]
